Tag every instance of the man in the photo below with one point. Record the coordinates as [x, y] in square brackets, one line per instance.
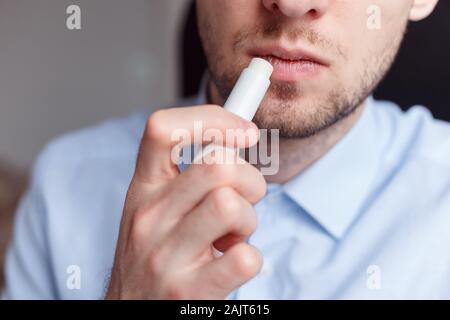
[359, 208]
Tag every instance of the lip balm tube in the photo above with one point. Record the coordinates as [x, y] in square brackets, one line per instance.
[250, 89]
[246, 96]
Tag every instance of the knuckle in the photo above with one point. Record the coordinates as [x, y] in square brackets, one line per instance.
[259, 188]
[260, 191]
[139, 229]
[142, 221]
[248, 261]
[225, 173]
[155, 128]
[226, 206]
[252, 223]
[156, 263]
[232, 120]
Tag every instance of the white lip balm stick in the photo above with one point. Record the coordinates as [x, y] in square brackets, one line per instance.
[250, 89]
[246, 96]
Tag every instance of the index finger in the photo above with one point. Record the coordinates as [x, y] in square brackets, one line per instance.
[155, 162]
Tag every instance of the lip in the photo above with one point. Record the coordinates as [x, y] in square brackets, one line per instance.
[291, 64]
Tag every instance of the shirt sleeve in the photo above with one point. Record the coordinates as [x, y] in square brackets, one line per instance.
[28, 268]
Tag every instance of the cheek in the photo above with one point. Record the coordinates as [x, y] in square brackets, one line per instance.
[351, 36]
[369, 22]
[371, 28]
[215, 21]
[227, 17]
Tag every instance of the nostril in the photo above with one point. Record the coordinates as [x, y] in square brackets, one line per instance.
[314, 13]
[296, 8]
[275, 7]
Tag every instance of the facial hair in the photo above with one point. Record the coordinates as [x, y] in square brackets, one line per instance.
[283, 108]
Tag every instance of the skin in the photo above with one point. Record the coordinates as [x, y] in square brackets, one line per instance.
[312, 114]
[168, 230]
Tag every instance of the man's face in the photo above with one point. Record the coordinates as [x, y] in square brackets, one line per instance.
[327, 59]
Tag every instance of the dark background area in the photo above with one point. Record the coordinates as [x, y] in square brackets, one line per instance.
[420, 75]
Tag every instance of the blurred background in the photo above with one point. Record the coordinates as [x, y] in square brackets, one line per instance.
[136, 54]
[54, 80]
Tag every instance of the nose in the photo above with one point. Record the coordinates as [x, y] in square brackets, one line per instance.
[297, 8]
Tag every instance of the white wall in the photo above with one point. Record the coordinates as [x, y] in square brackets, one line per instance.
[53, 80]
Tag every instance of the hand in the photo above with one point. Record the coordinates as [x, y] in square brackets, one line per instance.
[172, 222]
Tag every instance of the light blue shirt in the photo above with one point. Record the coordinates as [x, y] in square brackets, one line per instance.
[370, 219]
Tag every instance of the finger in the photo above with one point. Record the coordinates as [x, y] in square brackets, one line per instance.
[235, 267]
[222, 212]
[198, 181]
[167, 129]
[188, 190]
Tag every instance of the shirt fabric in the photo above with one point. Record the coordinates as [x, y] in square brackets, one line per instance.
[369, 220]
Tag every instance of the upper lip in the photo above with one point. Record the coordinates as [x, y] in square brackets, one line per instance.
[290, 54]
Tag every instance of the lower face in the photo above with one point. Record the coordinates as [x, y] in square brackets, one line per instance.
[325, 67]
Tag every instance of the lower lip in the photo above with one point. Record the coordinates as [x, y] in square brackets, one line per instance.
[285, 70]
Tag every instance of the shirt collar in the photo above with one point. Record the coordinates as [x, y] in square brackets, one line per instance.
[333, 189]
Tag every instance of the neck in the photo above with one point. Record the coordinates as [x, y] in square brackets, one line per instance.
[296, 155]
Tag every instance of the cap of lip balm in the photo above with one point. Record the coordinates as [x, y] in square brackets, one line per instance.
[247, 95]
[250, 89]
